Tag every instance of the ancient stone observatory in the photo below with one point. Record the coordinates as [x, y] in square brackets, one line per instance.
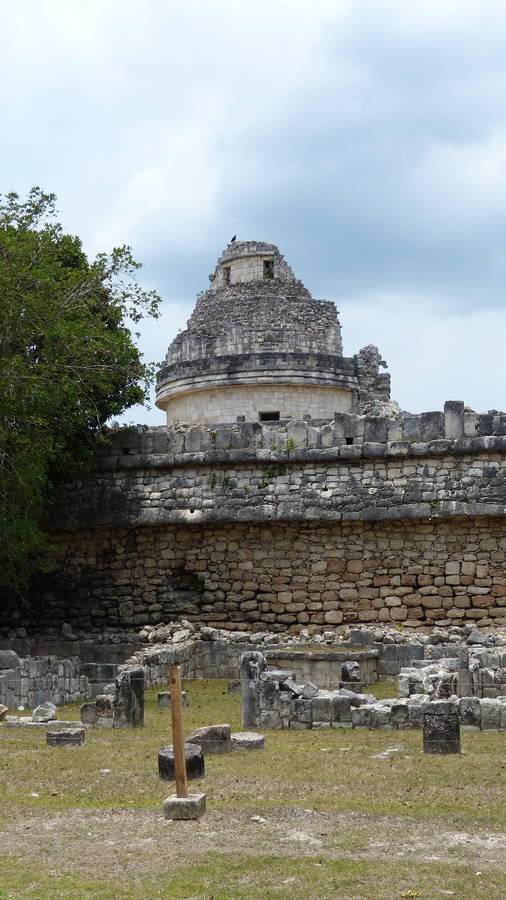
[258, 345]
[396, 519]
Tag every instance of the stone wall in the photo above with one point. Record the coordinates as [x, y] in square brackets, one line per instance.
[29, 682]
[272, 699]
[362, 519]
[245, 261]
[290, 401]
[279, 575]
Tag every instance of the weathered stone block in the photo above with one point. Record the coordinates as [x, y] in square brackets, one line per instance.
[128, 702]
[441, 728]
[490, 714]
[191, 807]
[302, 710]
[212, 738]
[470, 711]
[164, 699]
[194, 758]
[341, 709]
[247, 740]
[399, 715]
[44, 713]
[88, 713]
[65, 737]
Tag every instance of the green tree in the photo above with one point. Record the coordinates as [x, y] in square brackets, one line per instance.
[67, 363]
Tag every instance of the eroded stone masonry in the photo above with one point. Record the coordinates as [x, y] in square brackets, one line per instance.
[286, 490]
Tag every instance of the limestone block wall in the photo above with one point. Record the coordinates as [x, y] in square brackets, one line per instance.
[278, 576]
[245, 262]
[235, 341]
[29, 682]
[363, 519]
[214, 405]
[324, 668]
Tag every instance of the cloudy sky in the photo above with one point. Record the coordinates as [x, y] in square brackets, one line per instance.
[367, 138]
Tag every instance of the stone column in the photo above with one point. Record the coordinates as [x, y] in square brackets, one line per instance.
[128, 709]
[252, 664]
[441, 728]
[465, 688]
[454, 419]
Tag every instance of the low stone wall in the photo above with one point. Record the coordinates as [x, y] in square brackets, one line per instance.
[324, 668]
[30, 682]
[271, 699]
[156, 660]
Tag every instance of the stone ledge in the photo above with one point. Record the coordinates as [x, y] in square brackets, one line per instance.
[259, 455]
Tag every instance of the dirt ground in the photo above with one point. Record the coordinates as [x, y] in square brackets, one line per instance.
[116, 843]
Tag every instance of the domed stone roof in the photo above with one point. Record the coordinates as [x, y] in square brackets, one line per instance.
[257, 345]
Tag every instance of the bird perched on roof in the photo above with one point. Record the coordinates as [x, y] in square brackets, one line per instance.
[233, 239]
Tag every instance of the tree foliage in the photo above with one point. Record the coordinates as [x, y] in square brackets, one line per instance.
[67, 363]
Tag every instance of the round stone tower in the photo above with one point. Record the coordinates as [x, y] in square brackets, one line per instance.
[257, 345]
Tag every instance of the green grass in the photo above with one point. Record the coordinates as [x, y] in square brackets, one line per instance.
[87, 827]
[243, 877]
[381, 689]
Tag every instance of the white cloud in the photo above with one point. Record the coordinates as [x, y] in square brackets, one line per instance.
[458, 187]
[432, 357]
[366, 137]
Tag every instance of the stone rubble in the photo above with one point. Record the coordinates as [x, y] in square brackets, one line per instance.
[271, 700]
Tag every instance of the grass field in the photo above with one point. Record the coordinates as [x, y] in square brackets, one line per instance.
[317, 814]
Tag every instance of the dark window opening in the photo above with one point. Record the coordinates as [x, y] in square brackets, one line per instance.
[268, 416]
[226, 274]
[349, 440]
[268, 268]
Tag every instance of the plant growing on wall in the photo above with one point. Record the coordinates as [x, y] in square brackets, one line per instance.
[67, 363]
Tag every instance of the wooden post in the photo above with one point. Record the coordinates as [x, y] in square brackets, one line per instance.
[176, 705]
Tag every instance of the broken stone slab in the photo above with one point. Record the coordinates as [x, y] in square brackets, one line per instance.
[209, 634]
[441, 728]
[289, 685]
[356, 699]
[309, 691]
[27, 722]
[65, 737]
[234, 687]
[279, 675]
[212, 738]
[180, 636]
[88, 713]
[164, 699]
[191, 807]
[194, 758]
[247, 740]
[46, 712]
